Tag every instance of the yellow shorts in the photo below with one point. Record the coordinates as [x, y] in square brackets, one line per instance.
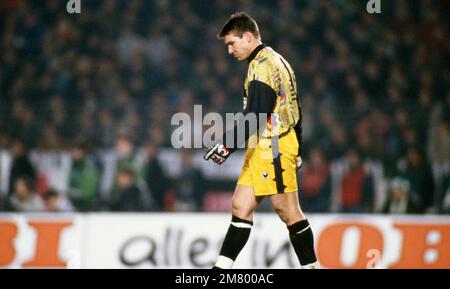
[269, 172]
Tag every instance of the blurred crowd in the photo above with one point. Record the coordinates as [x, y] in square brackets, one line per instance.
[374, 89]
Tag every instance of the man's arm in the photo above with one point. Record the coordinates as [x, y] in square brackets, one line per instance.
[299, 132]
[261, 99]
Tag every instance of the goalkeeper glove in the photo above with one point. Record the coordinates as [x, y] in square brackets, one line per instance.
[218, 153]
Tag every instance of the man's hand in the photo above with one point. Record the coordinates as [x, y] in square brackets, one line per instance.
[299, 162]
[218, 153]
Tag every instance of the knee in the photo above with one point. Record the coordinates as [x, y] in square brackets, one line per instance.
[241, 211]
[283, 214]
[281, 210]
[289, 215]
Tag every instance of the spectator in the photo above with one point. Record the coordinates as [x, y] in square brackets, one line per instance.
[439, 143]
[154, 175]
[127, 156]
[315, 183]
[399, 201]
[84, 179]
[445, 205]
[21, 165]
[395, 146]
[54, 202]
[416, 170]
[190, 185]
[129, 196]
[356, 186]
[338, 142]
[443, 193]
[24, 198]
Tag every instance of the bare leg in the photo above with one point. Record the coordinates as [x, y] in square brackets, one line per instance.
[244, 202]
[243, 205]
[287, 207]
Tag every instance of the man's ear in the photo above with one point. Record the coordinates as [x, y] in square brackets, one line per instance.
[248, 36]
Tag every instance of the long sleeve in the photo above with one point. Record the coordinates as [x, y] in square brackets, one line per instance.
[299, 130]
[261, 99]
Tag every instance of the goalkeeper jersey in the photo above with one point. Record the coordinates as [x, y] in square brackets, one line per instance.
[270, 87]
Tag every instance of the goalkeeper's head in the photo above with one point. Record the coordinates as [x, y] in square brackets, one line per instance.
[240, 34]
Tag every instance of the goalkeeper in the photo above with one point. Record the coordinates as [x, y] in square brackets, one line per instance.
[273, 144]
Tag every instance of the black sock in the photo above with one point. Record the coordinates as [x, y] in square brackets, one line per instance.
[302, 239]
[235, 239]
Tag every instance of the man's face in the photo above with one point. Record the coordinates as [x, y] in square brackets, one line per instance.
[21, 190]
[315, 159]
[353, 160]
[17, 149]
[52, 203]
[237, 46]
[77, 154]
[124, 147]
[398, 194]
[124, 180]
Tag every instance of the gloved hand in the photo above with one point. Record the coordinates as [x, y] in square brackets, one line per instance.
[218, 153]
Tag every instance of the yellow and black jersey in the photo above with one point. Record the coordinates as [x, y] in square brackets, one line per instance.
[270, 87]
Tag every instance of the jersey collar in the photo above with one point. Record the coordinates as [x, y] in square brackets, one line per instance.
[255, 52]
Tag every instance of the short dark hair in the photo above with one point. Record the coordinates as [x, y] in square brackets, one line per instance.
[83, 145]
[126, 137]
[29, 182]
[239, 23]
[51, 194]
